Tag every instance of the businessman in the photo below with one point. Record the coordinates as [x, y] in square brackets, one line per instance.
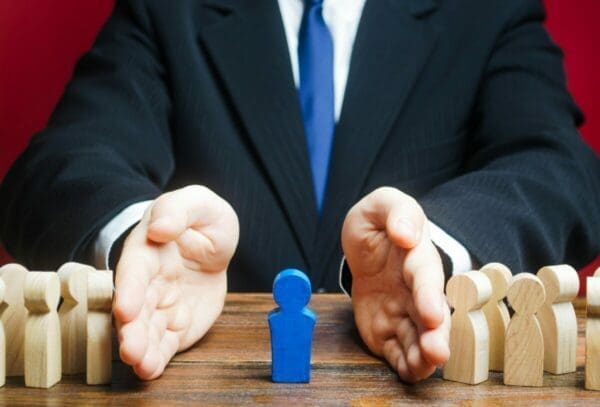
[412, 138]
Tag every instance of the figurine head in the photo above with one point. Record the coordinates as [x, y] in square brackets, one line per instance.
[291, 290]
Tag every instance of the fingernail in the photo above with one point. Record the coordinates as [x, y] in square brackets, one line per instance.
[406, 228]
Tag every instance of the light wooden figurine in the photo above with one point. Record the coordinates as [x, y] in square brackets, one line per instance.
[13, 317]
[496, 312]
[99, 327]
[42, 330]
[557, 318]
[73, 316]
[524, 348]
[469, 335]
[2, 337]
[592, 333]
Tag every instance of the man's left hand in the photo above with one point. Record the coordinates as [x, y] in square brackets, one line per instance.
[397, 283]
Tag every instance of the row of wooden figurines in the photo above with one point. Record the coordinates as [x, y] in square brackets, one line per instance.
[540, 336]
[40, 340]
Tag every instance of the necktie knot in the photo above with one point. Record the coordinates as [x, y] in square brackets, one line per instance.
[313, 3]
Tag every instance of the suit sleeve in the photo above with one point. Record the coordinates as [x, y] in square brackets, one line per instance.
[530, 193]
[107, 145]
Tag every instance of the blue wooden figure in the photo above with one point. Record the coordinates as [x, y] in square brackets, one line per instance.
[291, 326]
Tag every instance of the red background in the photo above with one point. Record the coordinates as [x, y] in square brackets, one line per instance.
[40, 41]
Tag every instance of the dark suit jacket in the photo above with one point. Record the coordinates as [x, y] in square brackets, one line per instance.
[460, 103]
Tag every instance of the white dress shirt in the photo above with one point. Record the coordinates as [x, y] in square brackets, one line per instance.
[342, 18]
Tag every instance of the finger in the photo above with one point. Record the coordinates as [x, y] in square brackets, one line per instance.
[398, 213]
[198, 248]
[168, 347]
[419, 367]
[424, 276]
[172, 213]
[158, 322]
[150, 364]
[133, 342]
[407, 334]
[435, 343]
[405, 221]
[169, 294]
[134, 272]
[402, 369]
[134, 337]
[396, 357]
[179, 319]
[151, 358]
[383, 327]
[156, 360]
[396, 305]
[392, 353]
[386, 209]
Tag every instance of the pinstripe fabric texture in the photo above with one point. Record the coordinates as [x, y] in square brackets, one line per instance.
[460, 103]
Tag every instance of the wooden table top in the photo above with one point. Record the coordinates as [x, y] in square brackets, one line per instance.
[231, 365]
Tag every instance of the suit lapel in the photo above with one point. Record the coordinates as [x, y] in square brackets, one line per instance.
[392, 45]
[248, 48]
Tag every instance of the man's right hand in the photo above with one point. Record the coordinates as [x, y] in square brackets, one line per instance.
[171, 278]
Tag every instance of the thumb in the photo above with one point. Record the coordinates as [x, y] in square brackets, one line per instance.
[400, 215]
[190, 207]
[403, 228]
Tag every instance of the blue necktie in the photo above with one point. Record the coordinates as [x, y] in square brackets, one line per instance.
[315, 57]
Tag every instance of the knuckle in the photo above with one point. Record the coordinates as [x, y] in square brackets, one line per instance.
[195, 188]
[163, 203]
[411, 201]
[161, 200]
[197, 191]
[352, 217]
[371, 243]
[230, 212]
[385, 190]
[411, 204]
[381, 327]
[381, 194]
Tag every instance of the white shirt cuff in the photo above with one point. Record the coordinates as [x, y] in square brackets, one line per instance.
[340, 276]
[459, 256]
[114, 229]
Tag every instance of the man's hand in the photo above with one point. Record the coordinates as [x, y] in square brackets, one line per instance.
[171, 278]
[397, 283]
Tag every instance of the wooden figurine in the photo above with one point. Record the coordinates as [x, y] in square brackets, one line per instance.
[73, 316]
[3, 307]
[13, 317]
[99, 327]
[557, 318]
[469, 335]
[524, 348]
[592, 333]
[42, 330]
[291, 326]
[496, 312]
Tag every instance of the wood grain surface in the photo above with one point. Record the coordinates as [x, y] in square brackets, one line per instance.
[231, 366]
